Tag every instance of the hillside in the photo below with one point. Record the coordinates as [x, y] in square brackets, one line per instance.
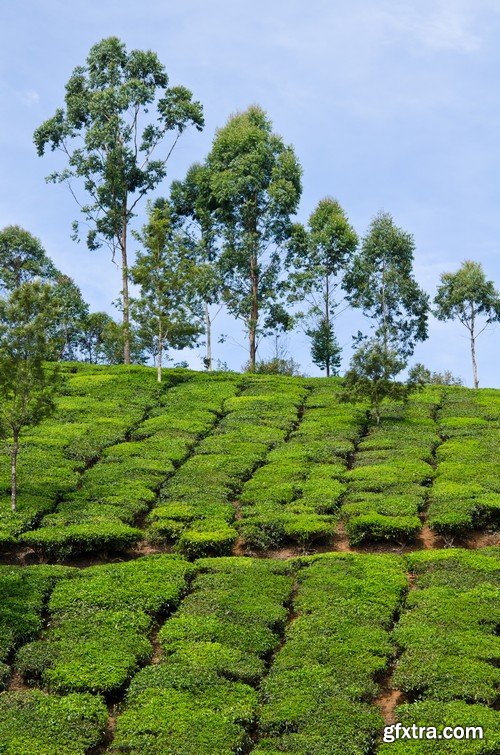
[230, 563]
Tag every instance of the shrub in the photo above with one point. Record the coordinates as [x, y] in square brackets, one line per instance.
[374, 526]
[33, 722]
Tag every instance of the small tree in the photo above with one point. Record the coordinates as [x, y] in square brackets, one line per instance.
[92, 336]
[381, 282]
[27, 388]
[255, 187]
[167, 311]
[325, 349]
[467, 296]
[316, 259]
[110, 145]
[371, 377]
[73, 311]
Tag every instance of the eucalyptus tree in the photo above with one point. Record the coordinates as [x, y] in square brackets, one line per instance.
[380, 281]
[167, 310]
[467, 296]
[317, 257]
[193, 206]
[119, 109]
[22, 259]
[255, 187]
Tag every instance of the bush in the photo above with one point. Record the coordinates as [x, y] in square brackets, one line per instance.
[33, 722]
[197, 699]
[373, 526]
[439, 715]
[196, 543]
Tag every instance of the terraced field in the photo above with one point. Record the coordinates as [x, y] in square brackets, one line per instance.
[234, 564]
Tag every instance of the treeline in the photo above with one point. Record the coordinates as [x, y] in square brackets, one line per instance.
[225, 236]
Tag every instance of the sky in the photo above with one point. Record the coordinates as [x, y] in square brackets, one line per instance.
[390, 106]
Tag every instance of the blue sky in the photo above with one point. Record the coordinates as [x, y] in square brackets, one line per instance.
[389, 105]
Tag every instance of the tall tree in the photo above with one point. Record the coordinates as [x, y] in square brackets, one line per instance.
[316, 259]
[167, 311]
[467, 296]
[111, 144]
[380, 281]
[22, 259]
[27, 388]
[255, 187]
[73, 311]
[192, 203]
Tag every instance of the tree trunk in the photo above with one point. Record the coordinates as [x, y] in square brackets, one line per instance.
[252, 330]
[208, 329]
[126, 312]
[473, 351]
[327, 322]
[160, 352]
[13, 471]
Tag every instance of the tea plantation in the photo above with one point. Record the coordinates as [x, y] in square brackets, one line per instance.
[227, 564]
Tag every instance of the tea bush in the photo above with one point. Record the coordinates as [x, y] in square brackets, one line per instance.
[198, 698]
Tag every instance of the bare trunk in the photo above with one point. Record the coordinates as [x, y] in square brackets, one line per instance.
[327, 321]
[160, 351]
[126, 313]
[13, 471]
[208, 328]
[252, 330]
[473, 352]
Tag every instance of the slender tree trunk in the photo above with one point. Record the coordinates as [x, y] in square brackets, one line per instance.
[160, 350]
[473, 351]
[327, 321]
[126, 312]
[13, 470]
[252, 330]
[208, 328]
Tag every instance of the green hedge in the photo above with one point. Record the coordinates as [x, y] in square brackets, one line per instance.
[315, 697]
[32, 723]
[198, 699]
[99, 624]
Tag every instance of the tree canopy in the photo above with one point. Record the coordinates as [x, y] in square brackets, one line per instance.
[111, 144]
[255, 187]
[467, 296]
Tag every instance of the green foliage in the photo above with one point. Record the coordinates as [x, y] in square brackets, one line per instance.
[325, 349]
[27, 388]
[22, 259]
[380, 281]
[33, 722]
[315, 260]
[371, 377]
[295, 494]
[447, 633]
[168, 309]
[254, 187]
[467, 296]
[99, 624]
[109, 144]
[198, 698]
[388, 486]
[314, 699]
[24, 591]
[466, 491]
[430, 713]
